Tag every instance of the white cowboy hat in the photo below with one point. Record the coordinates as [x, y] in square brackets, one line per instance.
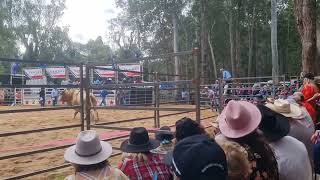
[89, 149]
[285, 108]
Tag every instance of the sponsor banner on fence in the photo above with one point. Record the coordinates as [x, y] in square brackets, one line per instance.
[56, 72]
[34, 73]
[75, 71]
[131, 67]
[104, 72]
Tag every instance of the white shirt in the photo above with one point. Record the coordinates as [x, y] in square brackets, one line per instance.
[292, 158]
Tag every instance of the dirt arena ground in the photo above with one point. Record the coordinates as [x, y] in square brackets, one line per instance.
[35, 120]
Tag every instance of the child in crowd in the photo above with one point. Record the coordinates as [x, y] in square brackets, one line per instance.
[138, 163]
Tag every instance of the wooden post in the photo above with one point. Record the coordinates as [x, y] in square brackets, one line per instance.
[155, 100]
[157, 96]
[196, 55]
[87, 89]
[221, 95]
[81, 98]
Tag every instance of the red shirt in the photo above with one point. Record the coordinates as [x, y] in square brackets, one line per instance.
[139, 170]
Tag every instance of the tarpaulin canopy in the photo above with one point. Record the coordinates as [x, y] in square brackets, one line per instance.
[34, 73]
[56, 72]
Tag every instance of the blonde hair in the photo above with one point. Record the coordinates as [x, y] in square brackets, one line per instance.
[237, 159]
[135, 156]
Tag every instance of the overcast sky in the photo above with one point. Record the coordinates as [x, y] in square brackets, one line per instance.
[88, 18]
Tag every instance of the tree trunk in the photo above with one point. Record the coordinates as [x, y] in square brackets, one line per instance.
[251, 39]
[237, 43]
[274, 45]
[175, 45]
[204, 41]
[231, 39]
[305, 13]
[213, 57]
[318, 51]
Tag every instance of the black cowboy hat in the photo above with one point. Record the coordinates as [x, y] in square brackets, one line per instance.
[259, 98]
[164, 134]
[273, 125]
[139, 142]
[309, 76]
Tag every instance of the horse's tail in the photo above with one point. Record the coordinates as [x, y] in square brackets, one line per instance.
[94, 103]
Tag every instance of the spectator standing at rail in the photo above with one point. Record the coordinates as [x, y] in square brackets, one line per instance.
[198, 157]
[239, 122]
[103, 94]
[238, 165]
[310, 91]
[291, 154]
[184, 96]
[42, 97]
[301, 124]
[186, 127]
[226, 75]
[165, 137]
[89, 159]
[212, 95]
[54, 96]
[138, 162]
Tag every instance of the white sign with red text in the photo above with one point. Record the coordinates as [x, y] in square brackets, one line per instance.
[131, 67]
[76, 71]
[56, 72]
[34, 73]
[106, 73]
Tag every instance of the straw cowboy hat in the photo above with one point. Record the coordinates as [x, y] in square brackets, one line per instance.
[238, 119]
[139, 141]
[89, 149]
[285, 108]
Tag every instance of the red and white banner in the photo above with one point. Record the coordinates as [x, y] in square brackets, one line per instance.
[75, 71]
[34, 73]
[104, 72]
[56, 72]
[131, 67]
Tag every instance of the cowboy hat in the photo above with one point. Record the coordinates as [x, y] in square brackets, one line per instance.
[259, 98]
[273, 125]
[164, 134]
[238, 119]
[285, 108]
[139, 141]
[89, 149]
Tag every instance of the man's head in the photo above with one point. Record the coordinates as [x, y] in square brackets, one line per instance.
[222, 69]
[186, 127]
[199, 157]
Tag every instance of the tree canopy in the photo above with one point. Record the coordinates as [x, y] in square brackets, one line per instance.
[232, 34]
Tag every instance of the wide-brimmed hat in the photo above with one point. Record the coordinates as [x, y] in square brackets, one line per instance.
[238, 119]
[285, 108]
[139, 141]
[89, 149]
[259, 98]
[273, 125]
[165, 133]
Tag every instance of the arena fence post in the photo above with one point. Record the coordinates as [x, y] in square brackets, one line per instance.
[88, 110]
[220, 95]
[81, 98]
[196, 54]
[157, 90]
[155, 99]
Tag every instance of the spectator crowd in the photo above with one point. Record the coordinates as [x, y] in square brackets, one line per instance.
[271, 139]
